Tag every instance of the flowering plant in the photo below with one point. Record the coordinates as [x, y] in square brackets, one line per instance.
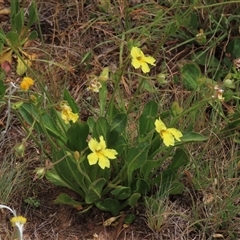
[16, 221]
[101, 159]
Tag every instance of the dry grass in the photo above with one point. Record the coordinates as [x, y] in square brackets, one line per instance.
[79, 40]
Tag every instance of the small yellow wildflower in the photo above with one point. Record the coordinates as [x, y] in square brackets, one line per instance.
[67, 114]
[94, 85]
[18, 221]
[167, 134]
[26, 83]
[140, 60]
[100, 153]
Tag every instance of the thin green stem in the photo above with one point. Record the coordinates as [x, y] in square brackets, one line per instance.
[135, 95]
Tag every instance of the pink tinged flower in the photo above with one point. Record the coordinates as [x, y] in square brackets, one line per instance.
[100, 153]
[167, 134]
[139, 60]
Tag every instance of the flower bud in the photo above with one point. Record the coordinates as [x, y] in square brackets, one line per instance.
[39, 173]
[76, 155]
[104, 75]
[161, 78]
[201, 38]
[228, 83]
[33, 98]
[19, 149]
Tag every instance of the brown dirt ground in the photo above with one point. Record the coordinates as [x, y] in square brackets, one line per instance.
[68, 36]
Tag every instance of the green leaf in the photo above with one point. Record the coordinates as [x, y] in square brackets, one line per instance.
[101, 128]
[94, 191]
[51, 126]
[147, 118]
[119, 123]
[33, 35]
[119, 145]
[66, 171]
[180, 159]
[29, 114]
[110, 205]
[121, 192]
[32, 14]
[193, 23]
[192, 137]
[65, 199]
[53, 177]
[148, 86]
[140, 186]
[91, 123]
[136, 157]
[176, 188]
[190, 73]
[201, 57]
[132, 201]
[67, 96]
[13, 39]
[2, 88]
[234, 48]
[77, 136]
[19, 21]
[155, 144]
[14, 8]
[148, 167]
[129, 219]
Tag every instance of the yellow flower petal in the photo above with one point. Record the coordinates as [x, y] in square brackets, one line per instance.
[168, 138]
[176, 133]
[150, 60]
[136, 52]
[100, 153]
[73, 116]
[103, 162]
[18, 220]
[160, 126]
[92, 158]
[26, 83]
[167, 134]
[67, 114]
[92, 144]
[110, 153]
[102, 143]
[140, 60]
[145, 68]
[136, 63]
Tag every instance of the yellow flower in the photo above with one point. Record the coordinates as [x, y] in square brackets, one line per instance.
[67, 114]
[100, 153]
[94, 85]
[140, 60]
[18, 221]
[26, 83]
[167, 134]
